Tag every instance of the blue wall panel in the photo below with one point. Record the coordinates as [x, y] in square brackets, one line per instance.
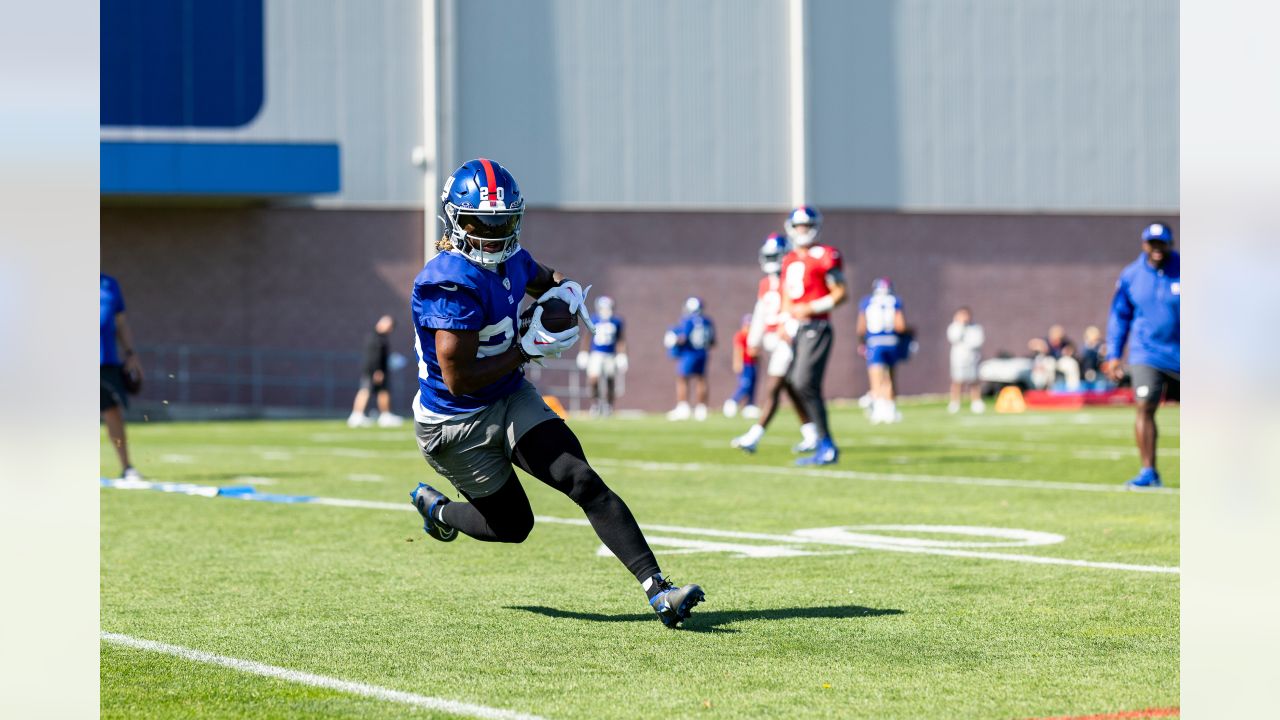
[196, 63]
[150, 168]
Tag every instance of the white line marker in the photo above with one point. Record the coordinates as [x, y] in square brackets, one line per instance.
[872, 542]
[304, 678]
[861, 475]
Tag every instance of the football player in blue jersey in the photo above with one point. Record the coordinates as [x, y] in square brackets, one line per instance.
[880, 325]
[690, 341]
[476, 415]
[1147, 307]
[607, 356]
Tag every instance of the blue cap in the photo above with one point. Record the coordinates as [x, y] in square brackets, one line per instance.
[1157, 232]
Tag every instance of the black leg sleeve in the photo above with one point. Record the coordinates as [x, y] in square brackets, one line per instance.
[551, 452]
[504, 516]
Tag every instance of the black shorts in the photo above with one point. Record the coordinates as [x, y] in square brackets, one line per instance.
[367, 383]
[113, 392]
[1152, 384]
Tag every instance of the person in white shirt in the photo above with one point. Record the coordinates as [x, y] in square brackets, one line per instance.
[966, 339]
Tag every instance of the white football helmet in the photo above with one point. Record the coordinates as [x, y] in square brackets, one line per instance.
[803, 225]
[604, 307]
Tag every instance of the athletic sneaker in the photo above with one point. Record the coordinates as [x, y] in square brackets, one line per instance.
[427, 499]
[825, 454]
[389, 420]
[132, 475]
[1146, 478]
[700, 413]
[681, 412]
[804, 446]
[673, 604]
[751, 412]
[355, 420]
[745, 443]
[977, 407]
[730, 408]
[953, 407]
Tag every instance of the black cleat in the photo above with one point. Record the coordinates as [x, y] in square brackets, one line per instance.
[427, 499]
[673, 604]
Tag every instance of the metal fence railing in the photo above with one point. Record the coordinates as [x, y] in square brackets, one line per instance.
[323, 381]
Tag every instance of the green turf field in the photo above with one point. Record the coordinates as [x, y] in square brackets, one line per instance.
[809, 612]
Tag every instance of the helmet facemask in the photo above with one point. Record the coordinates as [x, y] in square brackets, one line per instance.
[802, 235]
[470, 230]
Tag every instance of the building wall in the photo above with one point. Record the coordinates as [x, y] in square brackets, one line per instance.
[348, 73]
[994, 105]
[652, 104]
[309, 279]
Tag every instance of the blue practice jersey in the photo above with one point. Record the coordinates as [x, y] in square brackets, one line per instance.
[1146, 309]
[452, 293]
[110, 304]
[696, 334]
[880, 311]
[607, 334]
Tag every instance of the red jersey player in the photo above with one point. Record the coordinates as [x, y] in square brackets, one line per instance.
[770, 338]
[813, 285]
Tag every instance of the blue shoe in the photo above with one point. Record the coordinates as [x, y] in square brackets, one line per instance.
[427, 499]
[825, 454]
[673, 604]
[1146, 478]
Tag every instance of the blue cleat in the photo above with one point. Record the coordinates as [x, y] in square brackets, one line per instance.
[1146, 478]
[427, 499]
[825, 454]
[673, 604]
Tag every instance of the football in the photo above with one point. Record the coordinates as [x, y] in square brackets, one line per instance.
[555, 316]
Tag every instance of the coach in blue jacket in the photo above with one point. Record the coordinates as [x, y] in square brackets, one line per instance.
[1145, 308]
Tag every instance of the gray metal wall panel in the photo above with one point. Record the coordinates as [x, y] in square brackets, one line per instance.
[661, 103]
[994, 104]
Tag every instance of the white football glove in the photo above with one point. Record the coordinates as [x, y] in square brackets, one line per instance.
[572, 293]
[583, 360]
[620, 362]
[539, 342]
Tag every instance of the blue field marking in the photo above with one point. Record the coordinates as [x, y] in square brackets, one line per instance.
[236, 492]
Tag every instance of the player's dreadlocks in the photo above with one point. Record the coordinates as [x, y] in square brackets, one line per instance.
[444, 244]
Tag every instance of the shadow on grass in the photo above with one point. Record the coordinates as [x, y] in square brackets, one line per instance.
[712, 620]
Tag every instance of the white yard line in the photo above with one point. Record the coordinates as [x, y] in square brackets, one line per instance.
[862, 475]
[330, 683]
[827, 540]
[802, 537]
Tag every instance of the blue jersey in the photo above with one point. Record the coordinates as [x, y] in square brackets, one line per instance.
[452, 293]
[880, 311]
[607, 334]
[695, 334]
[110, 304]
[1146, 308]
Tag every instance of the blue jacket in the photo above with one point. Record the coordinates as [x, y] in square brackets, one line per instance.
[1146, 306]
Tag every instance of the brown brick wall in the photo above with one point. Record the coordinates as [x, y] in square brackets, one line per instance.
[300, 278]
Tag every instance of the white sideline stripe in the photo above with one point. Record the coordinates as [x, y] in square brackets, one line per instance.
[798, 539]
[304, 678]
[862, 475]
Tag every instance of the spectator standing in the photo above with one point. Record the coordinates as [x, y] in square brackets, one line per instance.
[1147, 306]
[966, 338]
[1054, 354]
[373, 378]
[116, 359]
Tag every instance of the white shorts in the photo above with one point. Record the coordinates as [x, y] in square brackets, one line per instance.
[964, 372]
[602, 364]
[780, 355]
